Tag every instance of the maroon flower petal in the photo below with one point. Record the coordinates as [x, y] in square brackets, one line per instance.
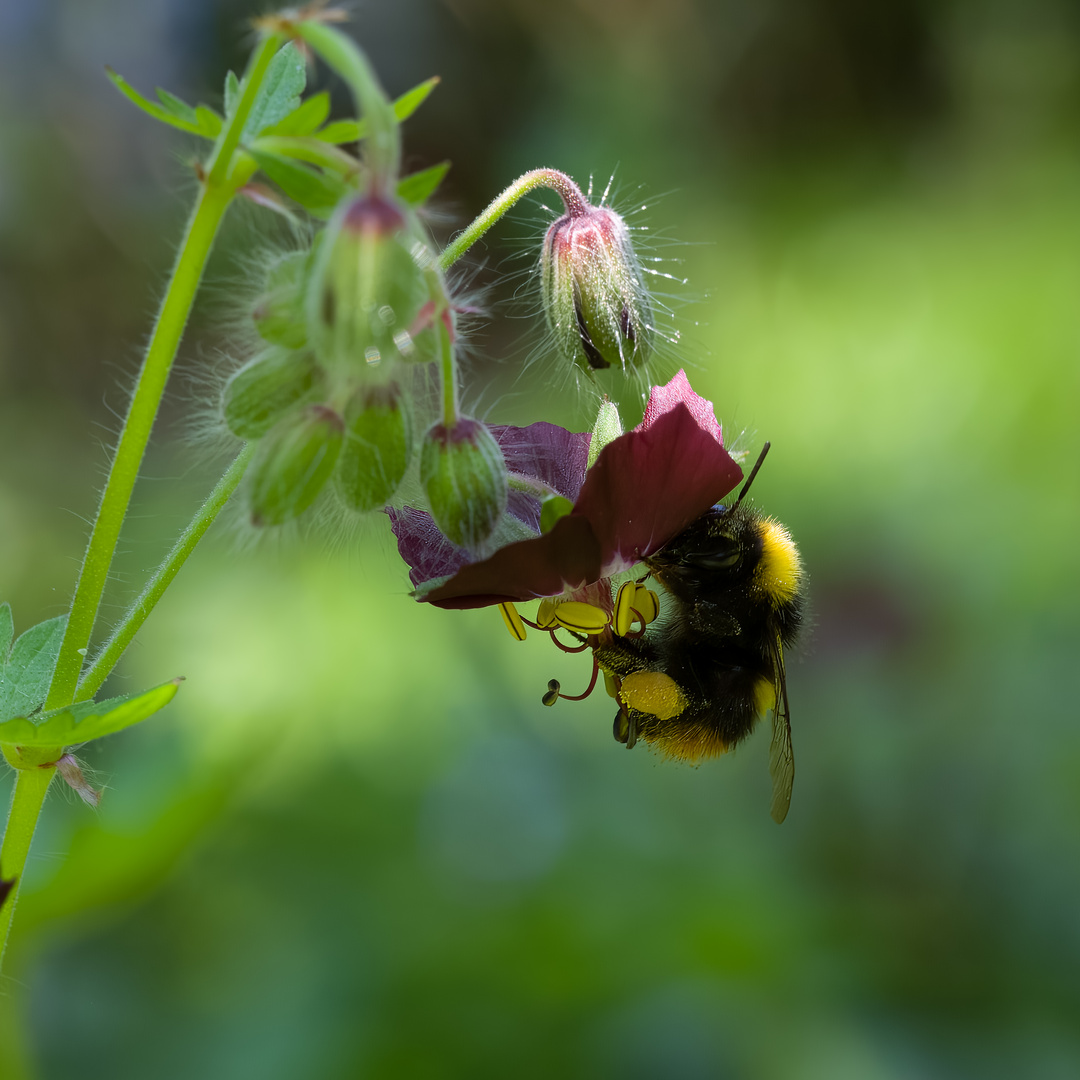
[565, 558]
[426, 551]
[650, 483]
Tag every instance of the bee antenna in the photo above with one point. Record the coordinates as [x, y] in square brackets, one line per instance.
[753, 473]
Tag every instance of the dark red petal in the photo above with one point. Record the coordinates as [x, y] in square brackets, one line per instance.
[649, 484]
[547, 453]
[678, 391]
[566, 557]
[428, 553]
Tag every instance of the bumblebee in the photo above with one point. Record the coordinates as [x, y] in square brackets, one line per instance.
[695, 683]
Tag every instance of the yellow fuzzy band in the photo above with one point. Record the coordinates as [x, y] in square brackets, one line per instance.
[779, 570]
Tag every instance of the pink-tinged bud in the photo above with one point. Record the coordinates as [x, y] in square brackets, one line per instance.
[293, 464]
[367, 286]
[379, 445]
[593, 290]
[464, 475]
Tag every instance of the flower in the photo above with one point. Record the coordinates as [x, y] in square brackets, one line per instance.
[645, 487]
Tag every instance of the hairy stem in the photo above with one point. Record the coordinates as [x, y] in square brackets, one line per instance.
[30, 787]
[573, 199]
[155, 588]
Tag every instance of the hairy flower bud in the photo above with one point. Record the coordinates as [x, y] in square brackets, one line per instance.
[464, 475]
[593, 291]
[264, 390]
[367, 286]
[279, 311]
[379, 445]
[293, 464]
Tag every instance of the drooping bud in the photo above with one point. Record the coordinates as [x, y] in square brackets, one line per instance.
[367, 286]
[279, 311]
[463, 472]
[264, 390]
[379, 444]
[593, 290]
[293, 464]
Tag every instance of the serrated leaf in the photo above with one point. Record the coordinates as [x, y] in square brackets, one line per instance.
[420, 186]
[345, 131]
[88, 720]
[179, 108]
[340, 131]
[26, 673]
[305, 119]
[279, 93]
[7, 629]
[313, 189]
[232, 92]
[158, 112]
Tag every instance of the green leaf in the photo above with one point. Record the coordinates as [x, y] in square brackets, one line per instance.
[340, 131]
[158, 112]
[210, 123]
[88, 720]
[180, 109]
[345, 131]
[7, 629]
[25, 674]
[412, 99]
[420, 186]
[279, 93]
[314, 190]
[232, 93]
[305, 119]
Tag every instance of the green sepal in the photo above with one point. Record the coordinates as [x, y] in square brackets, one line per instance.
[86, 721]
[420, 186]
[316, 191]
[346, 131]
[25, 672]
[307, 118]
[201, 120]
[267, 389]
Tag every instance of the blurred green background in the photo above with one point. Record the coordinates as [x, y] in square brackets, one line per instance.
[356, 844]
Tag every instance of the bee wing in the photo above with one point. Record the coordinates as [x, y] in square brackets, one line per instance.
[781, 755]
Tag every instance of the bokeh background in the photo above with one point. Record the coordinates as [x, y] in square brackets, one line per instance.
[356, 844]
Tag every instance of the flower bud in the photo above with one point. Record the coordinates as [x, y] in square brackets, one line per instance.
[464, 474]
[378, 447]
[293, 464]
[593, 290]
[263, 391]
[279, 311]
[368, 285]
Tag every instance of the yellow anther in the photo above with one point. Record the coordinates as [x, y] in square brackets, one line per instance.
[654, 693]
[647, 604]
[545, 613]
[513, 621]
[624, 616]
[584, 618]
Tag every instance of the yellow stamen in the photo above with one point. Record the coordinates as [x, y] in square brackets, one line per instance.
[584, 618]
[513, 621]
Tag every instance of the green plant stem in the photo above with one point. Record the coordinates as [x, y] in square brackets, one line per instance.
[214, 198]
[155, 588]
[572, 196]
[164, 342]
[30, 787]
[382, 144]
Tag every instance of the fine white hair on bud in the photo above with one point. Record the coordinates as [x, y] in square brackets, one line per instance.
[593, 290]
